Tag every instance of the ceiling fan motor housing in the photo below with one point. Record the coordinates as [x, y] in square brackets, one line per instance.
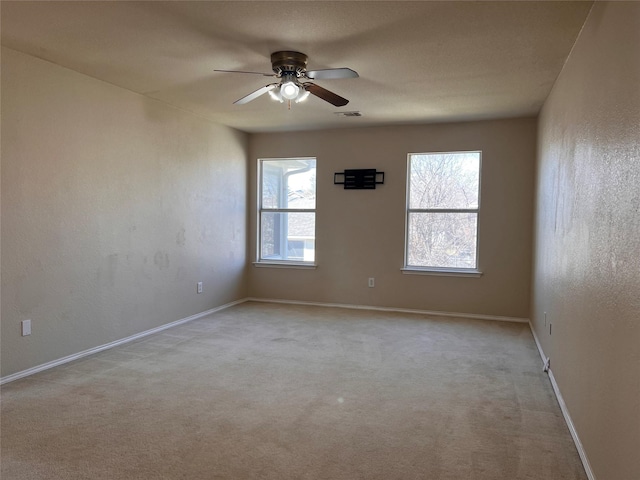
[287, 62]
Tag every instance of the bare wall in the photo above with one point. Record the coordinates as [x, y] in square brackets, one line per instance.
[113, 207]
[587, 237]
[360, 234]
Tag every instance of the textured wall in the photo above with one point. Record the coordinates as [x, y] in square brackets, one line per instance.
[587, 267]
[113, 207]
[360, 233]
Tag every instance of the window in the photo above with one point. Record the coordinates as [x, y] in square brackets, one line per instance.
[443, 203]
[287, 210]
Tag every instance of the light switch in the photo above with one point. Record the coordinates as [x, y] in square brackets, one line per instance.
[26, 327]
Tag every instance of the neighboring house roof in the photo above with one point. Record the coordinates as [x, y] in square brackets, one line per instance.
[301, 225]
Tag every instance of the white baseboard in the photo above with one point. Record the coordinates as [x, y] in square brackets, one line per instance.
[392, 309]
[572, 428]
[565, 411]
[106, 346]
[544, 358]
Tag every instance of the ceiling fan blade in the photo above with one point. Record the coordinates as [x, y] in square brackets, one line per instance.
[325, 95]
[256, 94]
[243, 71]
[331, 73]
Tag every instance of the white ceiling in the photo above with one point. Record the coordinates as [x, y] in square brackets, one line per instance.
[419, 61]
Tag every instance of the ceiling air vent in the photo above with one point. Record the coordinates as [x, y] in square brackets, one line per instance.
[348, 114]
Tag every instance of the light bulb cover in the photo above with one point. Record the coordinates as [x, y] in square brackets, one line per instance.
[303, 96]
[289, 90]
[275, 95]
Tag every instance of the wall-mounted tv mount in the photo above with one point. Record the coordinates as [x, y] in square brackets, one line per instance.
[359, 179]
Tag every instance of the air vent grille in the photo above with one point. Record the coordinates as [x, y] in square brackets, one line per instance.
[348, 114]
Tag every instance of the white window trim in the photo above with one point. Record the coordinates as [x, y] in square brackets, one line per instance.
[284, 264]
[270, 263]
[441, 271]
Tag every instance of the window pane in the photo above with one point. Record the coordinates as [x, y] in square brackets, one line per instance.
[446, 240]
[287, 236]
[444, 180]
[289, 183]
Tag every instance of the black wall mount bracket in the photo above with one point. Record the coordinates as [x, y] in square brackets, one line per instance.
[359, 179]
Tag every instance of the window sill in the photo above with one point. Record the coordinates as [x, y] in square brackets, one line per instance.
[442, 272]
[302, 266]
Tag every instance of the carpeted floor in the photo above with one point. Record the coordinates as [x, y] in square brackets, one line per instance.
[267, 391]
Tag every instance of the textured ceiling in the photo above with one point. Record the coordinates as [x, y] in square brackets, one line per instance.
[418, 61]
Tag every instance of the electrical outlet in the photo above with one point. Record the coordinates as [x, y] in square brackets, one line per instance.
[199, 287]
[372, 282]
[26, 327]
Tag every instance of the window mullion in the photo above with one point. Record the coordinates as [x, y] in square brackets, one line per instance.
[288, 210]
[443, 210]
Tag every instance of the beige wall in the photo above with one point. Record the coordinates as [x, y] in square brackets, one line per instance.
[587, 268]
[113, 207]
[360, 234]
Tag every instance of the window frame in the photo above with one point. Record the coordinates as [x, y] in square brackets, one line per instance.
[280, 263]
[435, 270]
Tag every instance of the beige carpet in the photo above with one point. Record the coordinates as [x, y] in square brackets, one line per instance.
[265, 391]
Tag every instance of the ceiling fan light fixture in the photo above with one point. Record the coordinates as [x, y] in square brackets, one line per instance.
[289, 90]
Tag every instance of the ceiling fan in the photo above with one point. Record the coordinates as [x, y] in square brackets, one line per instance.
[291, 69]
